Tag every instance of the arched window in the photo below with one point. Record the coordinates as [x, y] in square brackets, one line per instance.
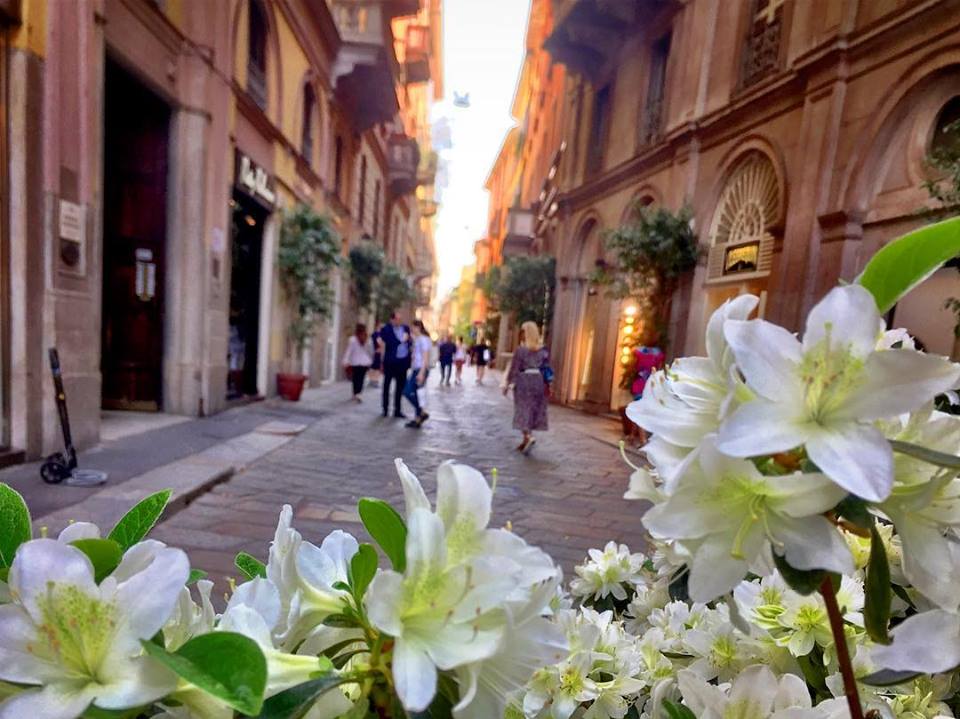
[309, 110]
[946, 132]
[748, 209]
[257, 54]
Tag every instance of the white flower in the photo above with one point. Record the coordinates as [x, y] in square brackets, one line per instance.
[190, 619]
[731, 513]
[756, 693]
[81, 641]
[927, 642]
[561, 689]
[608, 572]
[824, 393]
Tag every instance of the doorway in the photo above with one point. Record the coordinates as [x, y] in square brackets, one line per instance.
[245, 271]
[136, 143]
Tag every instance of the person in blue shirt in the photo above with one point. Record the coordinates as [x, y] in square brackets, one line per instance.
[394, 344]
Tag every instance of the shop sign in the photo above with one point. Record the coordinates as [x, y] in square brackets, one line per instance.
[254, 180]
[72, 226]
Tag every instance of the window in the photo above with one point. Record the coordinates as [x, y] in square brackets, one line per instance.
[338, 166]
[652, 125]
[376, 208]
[257, 54]
[362, 198]
[309, 109]
[761, 56]
[598, 130]
[946, 133]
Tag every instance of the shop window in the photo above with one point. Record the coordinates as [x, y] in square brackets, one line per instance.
[748, 210]
[761, 55]
[651, 127]
[946, 132]
[257, 54]
[599, 129]
[309, 110]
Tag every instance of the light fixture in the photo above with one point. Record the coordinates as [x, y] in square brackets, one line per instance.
[629, 320]
[625, 360]
[628, 330]
[630, 310]
[249, 220]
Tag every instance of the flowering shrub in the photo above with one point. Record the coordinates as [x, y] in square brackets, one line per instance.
[803, 564]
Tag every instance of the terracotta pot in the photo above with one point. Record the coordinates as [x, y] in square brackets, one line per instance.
[290, 386]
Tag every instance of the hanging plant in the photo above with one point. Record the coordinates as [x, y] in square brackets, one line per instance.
[366, 265]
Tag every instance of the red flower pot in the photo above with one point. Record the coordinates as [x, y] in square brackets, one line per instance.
[290, 386]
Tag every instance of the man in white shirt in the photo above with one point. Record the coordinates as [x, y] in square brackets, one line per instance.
[419, 369]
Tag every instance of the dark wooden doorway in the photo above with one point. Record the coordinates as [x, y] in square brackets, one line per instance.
[245, 267]
[136, 142]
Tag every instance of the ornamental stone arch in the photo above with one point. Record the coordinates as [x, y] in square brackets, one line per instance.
[586, 248]
[645, 196]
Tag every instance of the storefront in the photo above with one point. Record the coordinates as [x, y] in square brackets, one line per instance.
[252, 205]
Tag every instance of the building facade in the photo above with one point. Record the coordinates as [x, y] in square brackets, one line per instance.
[797, 132]
[151, 149]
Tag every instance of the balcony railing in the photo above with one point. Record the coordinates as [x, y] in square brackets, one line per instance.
[403, 159]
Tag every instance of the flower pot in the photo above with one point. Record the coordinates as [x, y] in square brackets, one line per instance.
[290, 386]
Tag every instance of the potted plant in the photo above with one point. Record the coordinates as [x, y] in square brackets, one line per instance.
[309, 252]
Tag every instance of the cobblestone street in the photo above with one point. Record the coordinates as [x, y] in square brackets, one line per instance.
[566, 497]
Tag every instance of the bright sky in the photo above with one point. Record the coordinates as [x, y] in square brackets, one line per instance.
[483, 50]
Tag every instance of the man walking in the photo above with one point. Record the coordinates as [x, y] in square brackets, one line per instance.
[446, 350]
[394, 345]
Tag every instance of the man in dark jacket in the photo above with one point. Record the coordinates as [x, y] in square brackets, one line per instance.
[446, 350]
[394, 344]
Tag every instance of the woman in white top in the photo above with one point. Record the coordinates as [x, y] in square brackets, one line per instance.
[459, 357]
[358, 358]
[419, 369]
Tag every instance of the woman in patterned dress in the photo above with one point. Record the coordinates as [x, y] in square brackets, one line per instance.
[530, 390]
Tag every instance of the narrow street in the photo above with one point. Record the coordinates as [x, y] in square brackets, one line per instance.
[565, 497]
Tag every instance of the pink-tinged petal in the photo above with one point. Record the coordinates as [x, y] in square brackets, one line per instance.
[19, 661]
[928, 642]
[761, 427]
[898, 381]
[414, 675]
[855, 456]
[812, 543]
[40, 562]
[847, 316]
[768, 356]
[54, 701]
[149, 596]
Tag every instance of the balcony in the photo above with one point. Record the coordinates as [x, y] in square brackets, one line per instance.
[521, 224]
[417, 54]
[403, 159]
[651, 128]
[366, 66]
[427, 172]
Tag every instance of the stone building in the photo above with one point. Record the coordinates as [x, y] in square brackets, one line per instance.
[797, 131]
[150, 149]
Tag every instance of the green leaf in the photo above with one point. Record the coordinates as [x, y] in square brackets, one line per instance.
[677, 711]
[228, 666]
[250, 566]
[195, 576]
[879, 594]
[907, 261]
[888, 678]
[856, 511]
[800, 580]
[363, 567]
[137, 523]
[14, 523]
[387, 528]
[930, 456]
[295, 702]
[4, 573]
[104, 554]
[334, 649]
[93, 712]
[341, 621]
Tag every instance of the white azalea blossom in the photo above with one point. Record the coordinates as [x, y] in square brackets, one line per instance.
[80, 642]
[756, 693]
[825, 392]
[607, 572]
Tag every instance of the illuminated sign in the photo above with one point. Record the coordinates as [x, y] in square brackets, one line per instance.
[742, 258]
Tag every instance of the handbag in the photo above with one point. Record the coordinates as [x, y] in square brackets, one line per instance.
[547, 372]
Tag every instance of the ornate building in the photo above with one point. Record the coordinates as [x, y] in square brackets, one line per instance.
[796, 131]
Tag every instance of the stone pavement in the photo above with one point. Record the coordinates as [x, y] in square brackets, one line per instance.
[566, 497]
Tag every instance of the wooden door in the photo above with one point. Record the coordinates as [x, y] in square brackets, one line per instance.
[136, 139]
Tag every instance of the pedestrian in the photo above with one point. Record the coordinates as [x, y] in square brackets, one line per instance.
[530, 376]
[480, 356]
[395, 348]
[358, 358]
[419, 370]
[459, 357]
[377, 360]
[446, 351]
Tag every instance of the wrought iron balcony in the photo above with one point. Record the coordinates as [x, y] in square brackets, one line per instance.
[403, 159]
[587, 33]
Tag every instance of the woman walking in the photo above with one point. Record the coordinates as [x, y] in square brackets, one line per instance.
[419, 369]
[530, 377]
[480, 354]
[358, 358]
[459, 357]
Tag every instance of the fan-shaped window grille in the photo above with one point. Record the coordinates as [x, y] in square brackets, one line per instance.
[749, 206]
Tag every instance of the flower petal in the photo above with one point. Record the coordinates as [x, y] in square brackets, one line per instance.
[54, 701]
[931, 561]
[739, 308]
[857, 457]
[463, 497]
[453, 644]
[813, 543]
[135, 682]
[413, 495]
[714, 571]
[415, 676]
[761, 427]
[17, 662]
[755, 686]
[149, 596]
[927, 642]
[261, 596]
[383, 599]
[846, 316]
[768, 356]
[425, 541]
[41, 561]
[78, 530]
